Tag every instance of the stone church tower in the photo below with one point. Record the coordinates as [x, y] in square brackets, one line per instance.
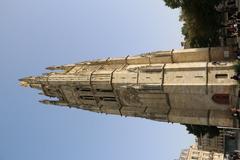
[190, 86]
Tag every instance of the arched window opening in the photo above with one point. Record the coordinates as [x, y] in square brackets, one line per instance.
[221, 98]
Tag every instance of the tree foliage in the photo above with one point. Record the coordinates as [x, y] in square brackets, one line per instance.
[201, 21]
[199, 130]
[173, 3]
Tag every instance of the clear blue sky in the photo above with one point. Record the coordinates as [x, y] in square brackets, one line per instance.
[35, 34]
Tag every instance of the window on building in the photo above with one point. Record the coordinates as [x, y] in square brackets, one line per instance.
[83, 89]
[221, 76]
[104, 90]
[221, 98]
[194, 158]
[86, 97]
[110, 99]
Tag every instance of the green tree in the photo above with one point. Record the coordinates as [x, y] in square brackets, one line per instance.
[198, 130]
[173, 3]
[201, 21]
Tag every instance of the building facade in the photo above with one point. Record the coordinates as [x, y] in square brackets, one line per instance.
[193, 153]
[191, 86]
